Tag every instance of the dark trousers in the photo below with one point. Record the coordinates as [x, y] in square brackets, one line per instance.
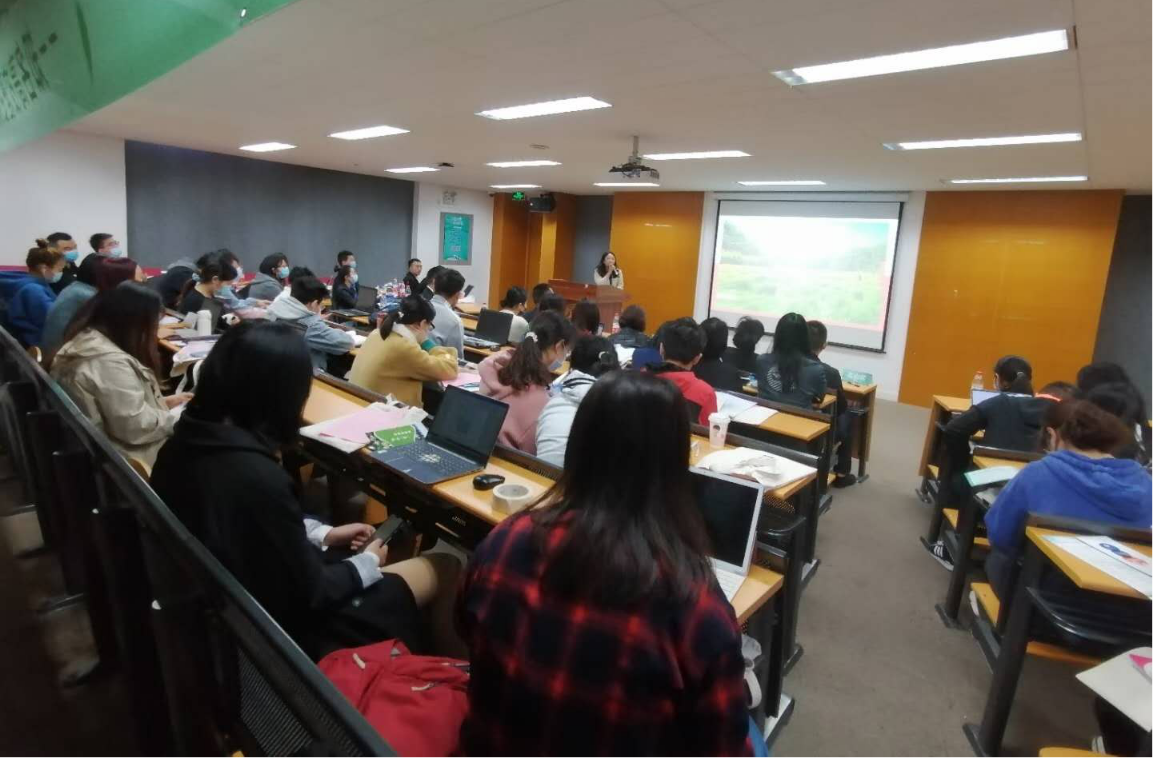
[844, 433]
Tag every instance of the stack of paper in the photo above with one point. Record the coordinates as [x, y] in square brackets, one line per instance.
[742, 410]
[350, 433]
[770, 470]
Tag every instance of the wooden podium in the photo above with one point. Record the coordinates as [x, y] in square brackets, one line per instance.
[609, 300]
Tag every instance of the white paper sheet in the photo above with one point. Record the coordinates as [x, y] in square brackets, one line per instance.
[770, 470]
[1119, 682]
[1100, 560]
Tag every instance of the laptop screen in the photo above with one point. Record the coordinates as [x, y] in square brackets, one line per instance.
[493, 326]
[467, 422]
[980, 396]
[730, 508]
[366, 298]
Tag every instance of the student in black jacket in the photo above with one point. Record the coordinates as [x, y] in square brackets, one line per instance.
[220, 474]
[1012, 420]
[842, 468]
[743, 353]
[412, 276]
[719, 375]
[632, 333]
[345, 288]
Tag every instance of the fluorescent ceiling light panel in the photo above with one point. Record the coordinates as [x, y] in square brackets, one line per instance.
[515, 186]
[784, 183]
[411, 170]
[522, 164]
[1028, 139]
[267, 147]
[625, 184]
[954, 55]
[1020, 180]
[369, 132]
[549, 108]
[697, 156]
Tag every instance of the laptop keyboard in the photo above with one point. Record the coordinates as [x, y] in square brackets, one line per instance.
[730, 583]
[476, 342]
[438, 459]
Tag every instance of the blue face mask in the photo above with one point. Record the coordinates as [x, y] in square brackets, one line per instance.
[555, 365]
[282, 272]
[72, 255]
[226, 291]
[354, 278]
[56, 277]
[116, 252]
[352, 265]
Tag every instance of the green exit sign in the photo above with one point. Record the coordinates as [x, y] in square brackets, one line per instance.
[518, 195]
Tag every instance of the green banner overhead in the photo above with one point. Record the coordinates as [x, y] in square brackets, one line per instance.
[63, 59]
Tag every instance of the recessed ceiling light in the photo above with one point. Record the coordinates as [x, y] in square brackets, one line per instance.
[783, 183]
[515, 186]
[267, 147]
[549, 108]
[411, 170]
[243, 12]
[1028, 139]
[1021, 180]
[369, 132]
[522, 164]
[697, 156]
[625, 184]
[954, 55]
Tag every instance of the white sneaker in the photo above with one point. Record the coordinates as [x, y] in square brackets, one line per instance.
[1098, 744]
[974, 604]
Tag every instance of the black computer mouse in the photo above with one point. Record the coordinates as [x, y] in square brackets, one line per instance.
[487, 481]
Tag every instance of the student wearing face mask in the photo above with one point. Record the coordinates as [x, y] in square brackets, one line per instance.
[521, 377]
[229, 294]
[105, 244]
[29, 305]
[270, 279]
[345, 287]
[301, 308]
[401, 354]
[212, 275]
[63, 243]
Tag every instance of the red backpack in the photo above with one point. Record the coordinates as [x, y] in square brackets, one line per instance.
[416, 702]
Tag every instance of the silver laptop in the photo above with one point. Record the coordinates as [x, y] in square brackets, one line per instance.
[977, 396]
[731, 508]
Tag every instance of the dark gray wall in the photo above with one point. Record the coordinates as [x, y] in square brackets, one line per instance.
[1124, 333]
[187, 202]
[594, 220]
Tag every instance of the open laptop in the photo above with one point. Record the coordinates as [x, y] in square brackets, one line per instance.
[492, 329]
[365, 304]
[731, 508]
[980, 396]
[459, 442]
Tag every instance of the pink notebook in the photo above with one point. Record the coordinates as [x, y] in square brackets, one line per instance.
[357, 426]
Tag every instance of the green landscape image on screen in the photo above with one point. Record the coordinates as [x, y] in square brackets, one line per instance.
[832, 269]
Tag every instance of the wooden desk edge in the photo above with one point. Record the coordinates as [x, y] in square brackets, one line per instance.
[1085, 576]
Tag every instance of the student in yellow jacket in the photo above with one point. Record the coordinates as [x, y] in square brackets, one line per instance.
[399, 356]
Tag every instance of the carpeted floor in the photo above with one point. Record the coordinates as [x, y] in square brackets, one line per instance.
[881, 675]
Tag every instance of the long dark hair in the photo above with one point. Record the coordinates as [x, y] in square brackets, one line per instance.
[633, 531]
[413, 309]
[526, 368]
[1016, 373]
[128, 315]
[791, 346]
[747, 334]
[257, 377]
[586, 316]
[602, 269]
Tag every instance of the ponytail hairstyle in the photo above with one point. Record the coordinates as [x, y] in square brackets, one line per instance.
[594, 356]
[413, 309]
[208, 267]
[1015, 373]
[527, 368]
[41, 255]
[1086, 426]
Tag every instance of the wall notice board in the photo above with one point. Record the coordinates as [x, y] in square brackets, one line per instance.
[455, 238]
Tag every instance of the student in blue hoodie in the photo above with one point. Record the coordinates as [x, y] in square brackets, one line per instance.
[28, 306]
[1080, 478]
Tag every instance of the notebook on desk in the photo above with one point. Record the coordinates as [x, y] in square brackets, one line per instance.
[730, 508]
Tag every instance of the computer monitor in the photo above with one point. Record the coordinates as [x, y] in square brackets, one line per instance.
[979, 396]
[366, 299]
[493, 326]
[467, 423]
[730, 508]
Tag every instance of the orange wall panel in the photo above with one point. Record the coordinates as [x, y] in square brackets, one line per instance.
[656, 237]
[1003, 273]
[510, 227]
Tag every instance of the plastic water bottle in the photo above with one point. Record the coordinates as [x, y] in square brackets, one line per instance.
[978, 381]
[616, 323]
[203, 323]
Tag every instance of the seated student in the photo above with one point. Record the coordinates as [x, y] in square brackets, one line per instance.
[1079, 479]
[170, 283]
[1011, 420]
[96, 273]
[400, 355]
[1059, 391]
[520, 377]
[447, 329]
[551, 302]
[788, 374]
[270, 280]
[681, 343]
[302, 309]
[842, 468]
[345, 288]
[604, 586]
[109, 367]
[591, 358]
[538, 293]
[62, 243]
[105, 244]
[711, 368]
[586, 317]
[1131, 411]
[513, 303]
[228, 293]
[743, 353]
[211, 276]
[632, 333]
[412, 275]
[220, 474]
[426, 284]
[33, 296]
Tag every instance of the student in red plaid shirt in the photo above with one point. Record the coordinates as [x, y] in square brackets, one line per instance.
[593, 619]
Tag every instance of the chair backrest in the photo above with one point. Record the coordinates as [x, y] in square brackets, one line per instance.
[1026, 456]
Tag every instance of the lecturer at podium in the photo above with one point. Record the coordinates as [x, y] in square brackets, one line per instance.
[607, 273]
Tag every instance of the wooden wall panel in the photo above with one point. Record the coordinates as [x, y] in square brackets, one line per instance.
[1006, 273]
[510, 227]
[656, 237]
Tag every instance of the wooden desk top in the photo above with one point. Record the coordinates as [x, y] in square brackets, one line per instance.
[985, 461]
[470, 309]
[326, 402]
[827, 401]
[1083, 575]
[760, 585]
[952, 404]
[469, 323]
[797, 427]
[859, 389]
[784, 493]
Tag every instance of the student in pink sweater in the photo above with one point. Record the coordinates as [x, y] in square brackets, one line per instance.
[521, 377]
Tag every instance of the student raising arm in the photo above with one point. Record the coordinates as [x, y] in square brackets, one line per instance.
[592, 357]
[594, 624]
[400, 355]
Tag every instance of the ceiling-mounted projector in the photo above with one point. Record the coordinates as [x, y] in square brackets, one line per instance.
[633, 168]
